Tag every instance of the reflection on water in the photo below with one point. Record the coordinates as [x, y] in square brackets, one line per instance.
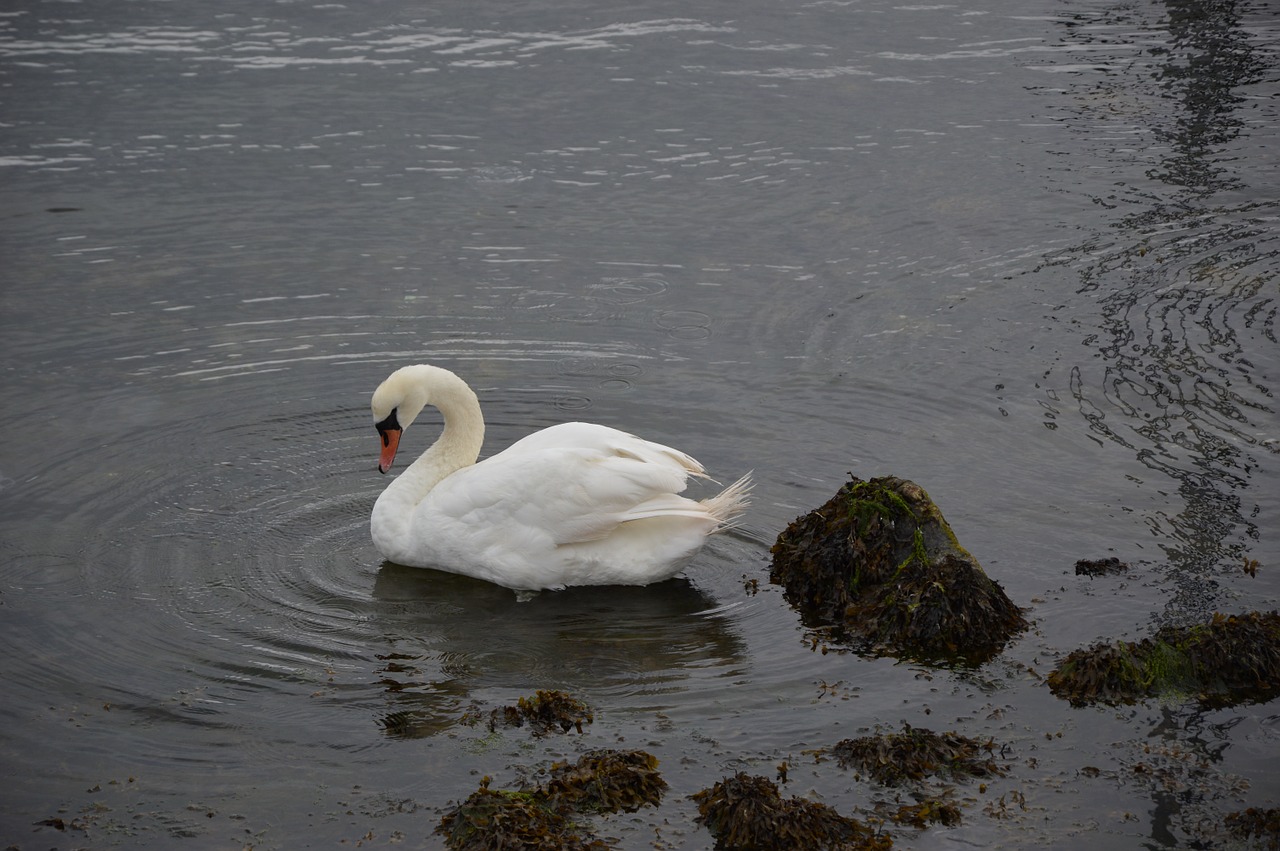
[1184, 285]
[450, 635]
[807, 244]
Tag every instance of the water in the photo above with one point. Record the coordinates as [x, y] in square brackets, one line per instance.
[1023, 255]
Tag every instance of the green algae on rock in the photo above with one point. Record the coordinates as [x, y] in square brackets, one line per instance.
[746, 813]
[878, 567]
[915, 754]
[1230, 660]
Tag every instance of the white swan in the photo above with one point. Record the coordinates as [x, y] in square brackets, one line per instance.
[573, 504]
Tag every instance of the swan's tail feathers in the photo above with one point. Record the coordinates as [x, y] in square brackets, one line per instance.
[728, 505]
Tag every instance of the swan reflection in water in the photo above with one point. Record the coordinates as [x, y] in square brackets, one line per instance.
[454, 642]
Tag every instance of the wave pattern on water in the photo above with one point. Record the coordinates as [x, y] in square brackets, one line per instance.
[1183, 282]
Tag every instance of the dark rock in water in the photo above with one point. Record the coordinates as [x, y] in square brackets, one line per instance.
[1230, 660]
[746, 813]
[1100, 566]
[878, 566]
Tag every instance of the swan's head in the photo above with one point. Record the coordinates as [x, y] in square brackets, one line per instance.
[396, 404]
[398, 401]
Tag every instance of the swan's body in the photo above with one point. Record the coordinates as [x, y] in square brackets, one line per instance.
[574, 504]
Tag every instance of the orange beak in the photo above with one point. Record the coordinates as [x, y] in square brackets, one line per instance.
[390, 443]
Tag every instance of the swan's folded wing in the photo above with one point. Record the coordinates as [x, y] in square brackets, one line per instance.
[604, 440]
[569, 495]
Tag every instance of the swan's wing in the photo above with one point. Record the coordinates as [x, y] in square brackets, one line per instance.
[606, 440]
[552, 487]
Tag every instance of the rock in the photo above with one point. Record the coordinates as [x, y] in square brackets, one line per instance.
[1229, 660]
[878, 567]
[548, 817]
[606, 781]
[746, 813]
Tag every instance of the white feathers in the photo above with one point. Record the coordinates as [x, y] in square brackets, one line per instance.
[574, 504]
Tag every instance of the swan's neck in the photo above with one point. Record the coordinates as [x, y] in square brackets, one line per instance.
[458, 446]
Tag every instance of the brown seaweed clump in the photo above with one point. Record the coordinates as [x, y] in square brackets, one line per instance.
[894, 759]
[545, 712]
[1230, 660]
[496, 819]
[1253, 823]
[930, 810]
[878, 566]
[606, 781]
[543, 818]
[746, 813]
[1100, 566]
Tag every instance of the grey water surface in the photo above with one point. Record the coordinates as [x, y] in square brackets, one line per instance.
[1022, 253]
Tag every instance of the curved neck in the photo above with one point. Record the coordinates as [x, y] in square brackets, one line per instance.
[458, 445]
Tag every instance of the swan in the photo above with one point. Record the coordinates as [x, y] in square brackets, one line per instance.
[573, 504]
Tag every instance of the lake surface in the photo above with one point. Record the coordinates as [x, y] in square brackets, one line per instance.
[1023, 254]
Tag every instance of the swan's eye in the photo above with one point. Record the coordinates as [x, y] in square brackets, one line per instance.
[388, 424]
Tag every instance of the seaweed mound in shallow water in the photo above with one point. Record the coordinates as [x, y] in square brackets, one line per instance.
[1263, 825]
[499, 819]
[1230, 660]
[545, 712]
[878, 566]
[1100, 566]
[545, 817]
[892, 759]
[746, 813]
[606, 781]
[926, 812]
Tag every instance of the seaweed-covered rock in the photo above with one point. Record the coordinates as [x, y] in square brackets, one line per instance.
[1231, 659]
[746, 813]
[546, 711]
[544, 817]
[496, 820]
[606, 781]
[1100, 566]
[879, 567]
[892, 759]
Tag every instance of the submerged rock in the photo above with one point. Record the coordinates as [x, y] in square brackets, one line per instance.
[746, 813]
[878, 566]
[1231, 659]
